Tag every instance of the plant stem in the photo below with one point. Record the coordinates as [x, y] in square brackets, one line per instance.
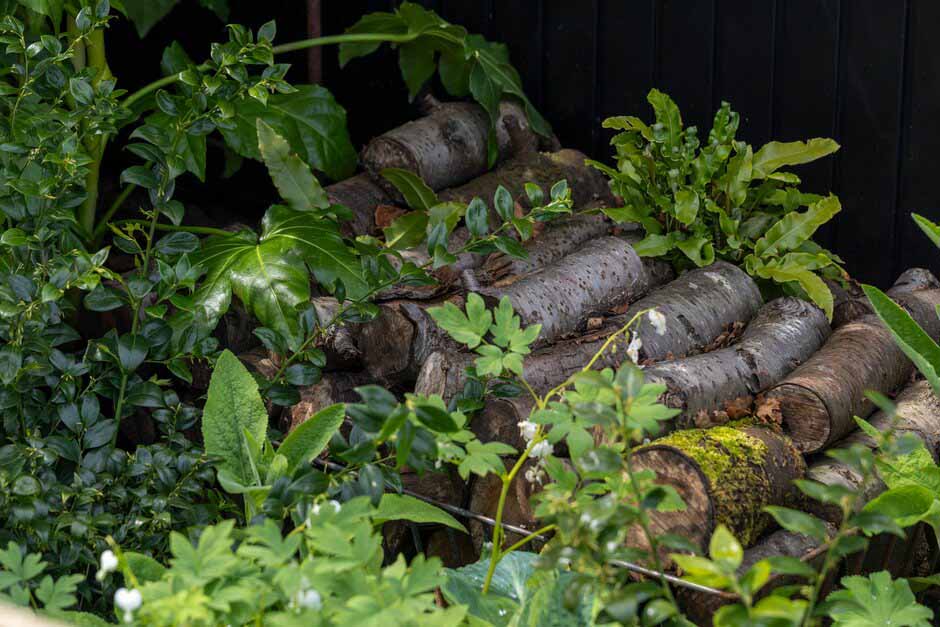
[97, 59]
[198, 230]
[528, 539]
[115, 206]
[284, 48]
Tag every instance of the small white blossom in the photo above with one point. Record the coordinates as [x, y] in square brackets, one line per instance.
[633, 349]
[109, 564]
[528, 430]
[534, 474]
[658, 321]
[307, 599]
[128, 601]
[542, 449]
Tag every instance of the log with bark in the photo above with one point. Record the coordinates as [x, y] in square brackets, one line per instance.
[449, 145]
[362, 196]
[542, 168]
[783, 334]
[700, 307]
[850, 302]
[332, 388]
[725, 475]
[918, 413]
[819, 399]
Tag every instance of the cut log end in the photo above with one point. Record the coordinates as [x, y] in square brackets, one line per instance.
[805, 416]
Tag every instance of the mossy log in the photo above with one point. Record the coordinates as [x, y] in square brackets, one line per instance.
[361, 195]
[918, 413]
[783, 334]
[726, 475]
[449, 145]
[700, 307]
[542, 168]
[819, 399]
[594, 279]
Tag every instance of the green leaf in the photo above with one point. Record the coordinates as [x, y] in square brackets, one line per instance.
[292, 177]
[310, 437]
[876, 601]
[776, 155]
[698, 249]
[667, 114]
[796, 227]
[406, 231]
[507, 592]
[815, 287]
[144, 567]
[50, 8]
[234, 407]
[655, 245]
[417, 194]
[686, 206]
[269, 276]
[467, 329]
[146, 13]
[725, 548]
[931, 229]
[910, 337]
[310, 119]
[906, 504]
[404, 507]
[799, 522]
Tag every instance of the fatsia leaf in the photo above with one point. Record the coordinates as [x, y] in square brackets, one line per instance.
[404, 507]
[775, 155]
[796, 227]
[910, 337]
[269, 275]
[310, 119]
[309, 438]
[292, 177]
[234, 421]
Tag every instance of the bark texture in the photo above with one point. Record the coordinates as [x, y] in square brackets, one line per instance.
[851, 303]
[334, 387]
[448, 146]
[785, 333]
[700, 306]
[725, 475]
[543, 169]
[918, 412]
[361, 196]
[819, 399]
[592, 280]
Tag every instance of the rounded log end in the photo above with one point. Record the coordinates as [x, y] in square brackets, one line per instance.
[804, 415]
[675, 468]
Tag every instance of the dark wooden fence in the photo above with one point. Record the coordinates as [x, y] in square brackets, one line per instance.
[865, 72]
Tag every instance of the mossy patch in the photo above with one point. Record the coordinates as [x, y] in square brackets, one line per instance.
[733, 462]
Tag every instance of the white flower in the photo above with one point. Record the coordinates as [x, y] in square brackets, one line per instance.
[633, 349]
[534, 474]
[528, 430]
[658, 321]
[542, 449]
[128, 601]
[109, 564]
[307, 600]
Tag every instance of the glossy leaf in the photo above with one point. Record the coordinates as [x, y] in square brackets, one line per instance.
[775, 155]
[292, 177]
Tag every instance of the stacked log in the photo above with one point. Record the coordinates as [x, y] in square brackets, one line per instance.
[819, 400]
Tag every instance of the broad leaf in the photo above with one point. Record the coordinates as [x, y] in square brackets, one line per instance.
[309, 438]
[146, 13]
[815, 287]
[930, 229]
[404, 507]
[310, 119]
[776, 155]
[416, 192]
[667, 114]
[234, 421]
[876, 601]
[507, 592]
[292, 177]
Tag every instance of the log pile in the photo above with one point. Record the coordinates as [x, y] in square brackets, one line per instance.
[763, 388]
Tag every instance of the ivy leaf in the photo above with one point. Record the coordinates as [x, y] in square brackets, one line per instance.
[310, 119]
[234, 409]
[292, 177]
[875, 601]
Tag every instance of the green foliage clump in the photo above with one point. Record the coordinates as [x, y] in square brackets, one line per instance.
[722, 199]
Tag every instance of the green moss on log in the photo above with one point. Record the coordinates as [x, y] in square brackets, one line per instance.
[733, 462]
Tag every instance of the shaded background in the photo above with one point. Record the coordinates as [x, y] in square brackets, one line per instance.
[865, 72]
